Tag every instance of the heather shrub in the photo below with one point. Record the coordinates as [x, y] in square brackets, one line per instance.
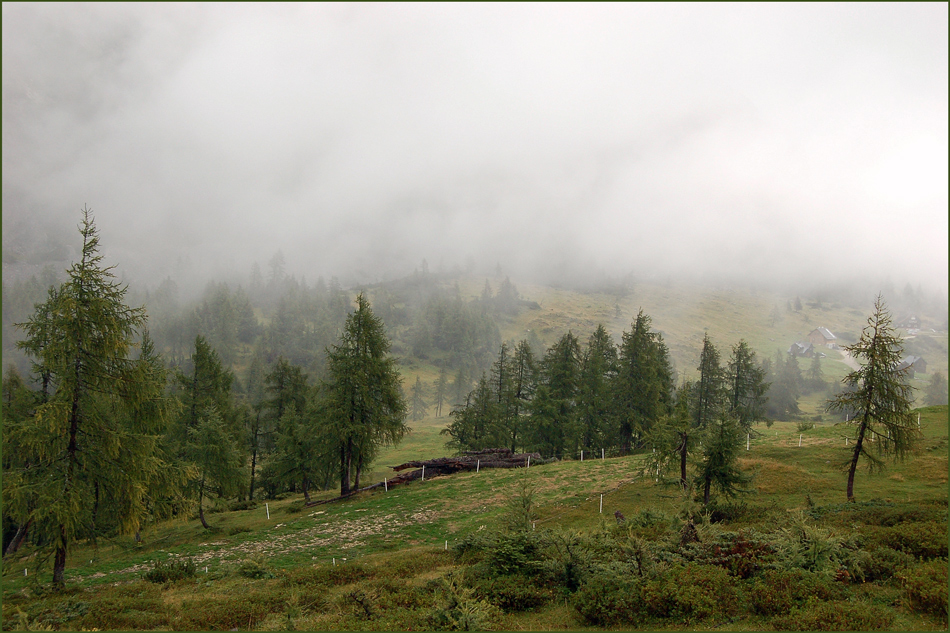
[610, 597]
[835, 616]
[693, 592]
[777, 592]
[925, 539]
[925, 588]
[512, 593]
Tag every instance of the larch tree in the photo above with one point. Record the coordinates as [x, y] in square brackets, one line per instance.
[746, 386]
[418, 396]
[95, 437]
[879, 396]
[598, 368]
[364, 399]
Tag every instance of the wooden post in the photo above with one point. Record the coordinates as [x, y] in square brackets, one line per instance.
[747, 435]
[478, 464]
[582, 455]
[799, 440]
[601, 453]
[529, 462]
[386, 484]
[267, 507]
[423, 472]
[601, 504]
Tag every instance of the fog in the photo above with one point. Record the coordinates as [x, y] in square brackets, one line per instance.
[750, 142]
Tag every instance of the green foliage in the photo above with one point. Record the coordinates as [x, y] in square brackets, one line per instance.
[778, 591]
[610, 597]
[936, 393]
[457, 609]
[878, 397]
[835, 616]
[364, 403]
[693, 592]
[925, 588]
[170, 571]
[93, 442]
[923, 539]
[512, 594]
[256, 568]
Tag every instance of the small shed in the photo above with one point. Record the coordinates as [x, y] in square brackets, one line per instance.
[802, 348]
[822, 336]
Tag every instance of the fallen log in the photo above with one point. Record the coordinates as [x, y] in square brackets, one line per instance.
[471, 460]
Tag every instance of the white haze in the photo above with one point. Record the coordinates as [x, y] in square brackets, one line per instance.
[761, 142]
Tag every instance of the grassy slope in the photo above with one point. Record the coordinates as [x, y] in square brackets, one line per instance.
[378, 528]
[683, 313]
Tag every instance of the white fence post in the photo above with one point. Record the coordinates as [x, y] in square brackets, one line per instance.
[601, 504]
[478, 464]
[799, 440]
[386, 484]
[423, 472]
[267, 507]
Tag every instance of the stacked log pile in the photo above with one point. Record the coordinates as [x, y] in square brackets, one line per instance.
[470, 460]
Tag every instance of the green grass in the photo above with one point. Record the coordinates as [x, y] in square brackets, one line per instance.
[378, 534]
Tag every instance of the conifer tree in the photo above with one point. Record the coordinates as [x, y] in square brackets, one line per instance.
[936, 390]
[364, 398]
[441, 386]
[642, 390]
[719, 466]
[554, 407]
[879, 396]
[419, 404]
[747, 386]
[218, 462]
[598, 368]
[96, 435]
[709, 390]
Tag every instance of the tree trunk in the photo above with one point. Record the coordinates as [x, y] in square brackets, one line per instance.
[683, 481]
[306, 489]
[853, 466]
[201, 510]
[706, 486]
[345, 468]
[59, 562]
[18, 538]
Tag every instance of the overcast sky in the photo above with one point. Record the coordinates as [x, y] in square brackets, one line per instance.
[780, 140]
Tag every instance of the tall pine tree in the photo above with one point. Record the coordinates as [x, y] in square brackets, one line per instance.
[364, 398]
[95, 438]
[879, 395]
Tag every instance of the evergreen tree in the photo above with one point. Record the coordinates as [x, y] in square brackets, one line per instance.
[419, 405]
[441, 386]
[95, 437]
[598, 368]
[554, 407]
[642, 390]
[784, 387]
[815, 379]
[878, 395]
[205, 383]
[218, 463]
[364, 397]
[473, 423]
[524, 383]
[719, 466]
[676, 434]
[256, 421]
[304, 450]
[709, 398]
[747, 386]
[936, 390]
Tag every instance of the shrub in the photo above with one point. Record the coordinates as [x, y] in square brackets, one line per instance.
[610, 597]
[238, 530]
[457, 609]
[926, 539]
[835, 616]
[513, 553]
[777, 592]
[255, 568]
[242, 505]
[805, 426]
[883, 563]
[693, 592]
[171, 571]
[512, 593]
[925, 588]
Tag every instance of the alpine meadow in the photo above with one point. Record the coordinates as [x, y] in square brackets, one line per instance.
[528, 317]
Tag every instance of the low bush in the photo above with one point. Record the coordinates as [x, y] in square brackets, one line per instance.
[238, 530]
[241, 610]
[610, 597]
[242, 505]
[255, 568]
[125, 607]
[512, 593]
[777, 592]
[883, 563]
[162, 572]
[925, 588]
[835, 616]
[925, 539]
[693, 592]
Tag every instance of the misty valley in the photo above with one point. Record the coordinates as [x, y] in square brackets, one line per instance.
[184, 447]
